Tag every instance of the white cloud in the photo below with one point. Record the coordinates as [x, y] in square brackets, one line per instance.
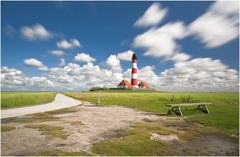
[16, 80]
[58, 53]
[154, 15]
[62, 62]
[146, 74]
[76, 77]
[114, 63]
[161, 42]
[32, 62]
[84, 57]
[199, 74]
[36, 32]
[219, 25]
[180, 57]
[126, 56]
[72, 43]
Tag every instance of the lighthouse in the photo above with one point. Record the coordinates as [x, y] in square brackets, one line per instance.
[134, 79]
[124, 84]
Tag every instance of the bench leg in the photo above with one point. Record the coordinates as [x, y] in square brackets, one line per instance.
[203, 108]
[206, 109]
[179, 109]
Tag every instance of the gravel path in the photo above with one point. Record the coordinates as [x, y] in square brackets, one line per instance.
[61, 101]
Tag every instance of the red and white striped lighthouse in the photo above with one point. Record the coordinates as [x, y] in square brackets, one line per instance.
[134, 80]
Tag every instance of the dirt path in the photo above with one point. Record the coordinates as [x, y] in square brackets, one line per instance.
[86, 125]
[60, 101]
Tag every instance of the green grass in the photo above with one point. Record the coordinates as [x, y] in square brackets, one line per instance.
[135, 143]
[19, 99]
[7, 128]
[224, 113]
[61, 153]
[54, 131]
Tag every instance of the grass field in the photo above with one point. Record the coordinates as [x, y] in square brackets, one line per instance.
[224, 113]
[223, 120]
[18, 99]
[222, 123]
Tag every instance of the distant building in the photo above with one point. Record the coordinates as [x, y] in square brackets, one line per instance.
[124, 84]
[143, 85]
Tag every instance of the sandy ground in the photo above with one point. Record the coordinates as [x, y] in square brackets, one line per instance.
[95, 124]
[60, 101]
[91, 124]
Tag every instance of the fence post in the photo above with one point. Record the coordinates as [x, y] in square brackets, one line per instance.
[99, 101]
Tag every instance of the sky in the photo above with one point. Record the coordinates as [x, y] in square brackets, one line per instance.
[73, 46]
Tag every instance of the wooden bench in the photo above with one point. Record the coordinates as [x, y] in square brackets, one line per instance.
[201, 106]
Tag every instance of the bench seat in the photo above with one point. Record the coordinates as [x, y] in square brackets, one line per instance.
[201, 106]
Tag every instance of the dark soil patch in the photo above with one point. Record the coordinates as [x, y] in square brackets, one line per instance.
[208, 144]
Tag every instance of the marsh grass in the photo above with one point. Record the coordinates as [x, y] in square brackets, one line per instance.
[136, 142]
[64, 110]
[19, 99]
[62, 153]
[224, 113]
[54, 131]
[34, 118]
[7, 128]
[77, 123]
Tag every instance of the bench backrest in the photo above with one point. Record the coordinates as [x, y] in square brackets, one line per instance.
[189, 104]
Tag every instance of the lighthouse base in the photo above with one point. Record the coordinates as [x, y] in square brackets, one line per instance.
[135, 86]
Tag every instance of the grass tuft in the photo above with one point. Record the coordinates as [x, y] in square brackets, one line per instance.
[64, 110]
[7, 128]
[136, 142]
[61, 153]
[54, 131]
[34, 118]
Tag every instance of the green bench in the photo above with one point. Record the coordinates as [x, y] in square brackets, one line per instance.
[201, 106]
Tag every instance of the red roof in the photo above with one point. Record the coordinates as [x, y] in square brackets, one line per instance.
[143, 85]
[125, 83]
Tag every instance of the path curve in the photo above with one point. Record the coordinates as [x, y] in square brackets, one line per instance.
[60, 101]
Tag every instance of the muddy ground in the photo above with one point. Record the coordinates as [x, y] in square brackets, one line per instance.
[85, 125]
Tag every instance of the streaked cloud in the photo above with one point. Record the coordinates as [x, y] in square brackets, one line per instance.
[125, 56]
[58, 53]
[180, 57]
[153, 15]
[219, 25]
[162, 42]
[9, 30]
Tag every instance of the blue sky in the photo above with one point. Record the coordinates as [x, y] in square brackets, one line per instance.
[105, 29]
